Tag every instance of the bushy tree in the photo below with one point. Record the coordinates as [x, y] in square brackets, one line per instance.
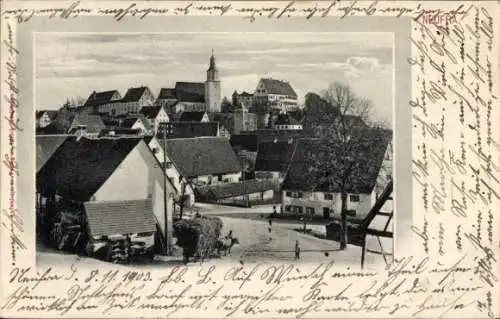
[344, 133]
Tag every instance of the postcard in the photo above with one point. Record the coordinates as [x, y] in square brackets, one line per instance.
[250, 159]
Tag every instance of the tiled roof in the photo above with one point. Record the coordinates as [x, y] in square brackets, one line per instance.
[79, 167]
[46, 145]
[203, 156]
[92, 122]
[278, 87]
[190, 129]
[121, 217]
[227, 190]
[190, 91]
[248, 142]
[269, 135]
[167, 94]
[274, 157]
[244, 93]
[128, 122]
[150, 112]
[192, 116]
[96, 98]
[134, 94]
[369, 159]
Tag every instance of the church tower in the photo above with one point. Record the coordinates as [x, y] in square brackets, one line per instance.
[212, 87]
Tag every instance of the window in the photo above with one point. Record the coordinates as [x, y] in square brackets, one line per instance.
[310, 210]
[219, 178]
[294, 194]
[328, 196]
[354, 198]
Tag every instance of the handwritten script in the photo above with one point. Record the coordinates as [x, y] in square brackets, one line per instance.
[408, 285]
[456, 187]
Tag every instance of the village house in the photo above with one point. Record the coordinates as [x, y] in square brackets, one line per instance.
[96, 99]
[136, 123]
[154, 115]
[179, 181]
[185, 97]
[273, 160]
[236, 122]
[276, 94]
[243, 99]
[205, 160]
[302, 194]
[86, 124]
[46, 146]
[132, 102]
[95, 191]
[247, 191]
[270, 134]
[45, 118]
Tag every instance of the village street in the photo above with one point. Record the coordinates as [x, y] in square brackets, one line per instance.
[256, 243]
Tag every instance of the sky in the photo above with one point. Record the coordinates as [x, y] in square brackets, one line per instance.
[75, 64]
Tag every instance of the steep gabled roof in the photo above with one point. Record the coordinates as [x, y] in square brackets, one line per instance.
[92, 122]
[120, 217]
[227, 190]
[203, 156]
[193, 116]
[96, 98]
[190, 91]
[134, 94]
[79, 167]
[150, 112]
[46, 146]
[273, 86]
[167, 94]
[370, 155]
[190, 87]
[274, 157]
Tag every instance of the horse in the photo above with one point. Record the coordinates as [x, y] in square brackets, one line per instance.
[226, 248]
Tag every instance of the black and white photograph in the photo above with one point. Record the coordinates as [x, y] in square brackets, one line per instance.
[165, 148]
[249, 159]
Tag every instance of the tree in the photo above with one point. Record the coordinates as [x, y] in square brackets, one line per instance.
[343, 139]
[226, 106]
[235, 101]
[63, 120]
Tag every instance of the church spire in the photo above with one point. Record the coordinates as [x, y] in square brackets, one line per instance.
[212, 62]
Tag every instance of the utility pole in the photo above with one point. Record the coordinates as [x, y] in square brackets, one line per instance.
[167, 127]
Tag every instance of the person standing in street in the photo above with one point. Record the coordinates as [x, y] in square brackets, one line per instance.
[297, 250]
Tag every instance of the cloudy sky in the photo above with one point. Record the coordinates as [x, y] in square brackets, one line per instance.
[75, 64]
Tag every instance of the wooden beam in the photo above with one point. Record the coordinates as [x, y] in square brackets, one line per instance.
[379, 233]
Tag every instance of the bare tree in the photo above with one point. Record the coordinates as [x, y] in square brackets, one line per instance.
[343, 142]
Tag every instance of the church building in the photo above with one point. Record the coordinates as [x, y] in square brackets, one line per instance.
[194, 96]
